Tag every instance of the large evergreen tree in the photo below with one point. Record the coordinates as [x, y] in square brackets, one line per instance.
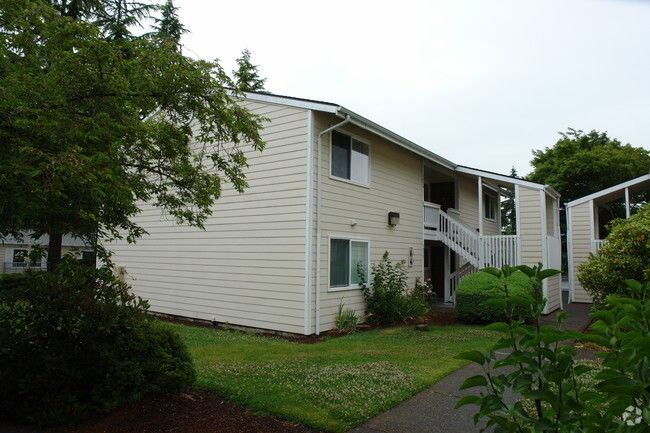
[509, 210]
[247, 76]
[169, 26]
[93, 120]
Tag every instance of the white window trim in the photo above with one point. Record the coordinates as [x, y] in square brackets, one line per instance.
[342, 179]
[9, 255]
[329, 256]
[495, 207]
[23, 264]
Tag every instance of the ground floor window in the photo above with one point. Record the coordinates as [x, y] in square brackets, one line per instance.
[347, 258]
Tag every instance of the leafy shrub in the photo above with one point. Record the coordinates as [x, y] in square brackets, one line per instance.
[543, 371]
[11, 281]
[481, 286]
[386, 297]
[75, 341]
[625, 255]
[384, 291]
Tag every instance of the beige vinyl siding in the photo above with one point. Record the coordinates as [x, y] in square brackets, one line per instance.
[553, 292]
[468, 206]
[553, 284]
[247, 267]
[551, 216]
[530, 226]
[491, 227]
[580, 244]
[468, 201]
[395, 186]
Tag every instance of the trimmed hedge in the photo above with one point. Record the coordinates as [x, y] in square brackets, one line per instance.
[11, 281]
[481, 286]
[75, 341]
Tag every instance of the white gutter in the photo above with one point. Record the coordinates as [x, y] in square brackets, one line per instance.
[318, 207]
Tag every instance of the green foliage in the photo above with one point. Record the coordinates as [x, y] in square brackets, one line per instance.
[346, 319]
[477, 288]
[580, 164]
[541, 369]
[12, 281]
[333, 385]
[247, 76]
[75, 341]
[169, 27]
[625, 255]
[509, 211]
[386, 297]
[93, 120]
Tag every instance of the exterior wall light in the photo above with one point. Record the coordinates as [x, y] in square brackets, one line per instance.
[393, 218]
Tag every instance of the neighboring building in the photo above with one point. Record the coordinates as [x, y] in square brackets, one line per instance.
[16, 252]
[330, 194]
[583, 237]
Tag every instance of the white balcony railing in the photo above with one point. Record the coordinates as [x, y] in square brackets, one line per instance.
[431, 216]
[480, 251]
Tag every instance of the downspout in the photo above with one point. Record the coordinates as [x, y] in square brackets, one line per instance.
[481, 215]
[309, 214]
[318, 208]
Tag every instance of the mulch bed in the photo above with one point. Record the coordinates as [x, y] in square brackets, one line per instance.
[198, 411]
[193, 412]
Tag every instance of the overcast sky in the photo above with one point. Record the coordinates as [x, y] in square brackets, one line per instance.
[481, 83]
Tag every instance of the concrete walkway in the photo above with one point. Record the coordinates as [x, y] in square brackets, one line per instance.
[432, 410]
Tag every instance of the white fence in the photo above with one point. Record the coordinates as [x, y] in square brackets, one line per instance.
[500, 250]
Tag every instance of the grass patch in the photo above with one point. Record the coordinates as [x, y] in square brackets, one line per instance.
[334, 385]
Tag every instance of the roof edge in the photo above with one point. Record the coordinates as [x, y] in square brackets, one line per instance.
[356, 119]
[611, 189]
[308, 104]
[389, 135]
[504, 178]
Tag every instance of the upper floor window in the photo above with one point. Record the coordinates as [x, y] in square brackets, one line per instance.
[490, 207]
[20, 258]
[350, 159]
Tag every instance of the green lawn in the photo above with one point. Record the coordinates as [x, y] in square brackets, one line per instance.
[334, 385]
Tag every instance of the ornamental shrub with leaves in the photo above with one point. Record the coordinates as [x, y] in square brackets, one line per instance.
[75, 341]
[625, 255]
[481, 286]
[541, 368]
[386, 296]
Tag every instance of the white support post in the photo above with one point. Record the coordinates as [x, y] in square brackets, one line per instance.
[627, 202]
[480, 205]
[447, 294]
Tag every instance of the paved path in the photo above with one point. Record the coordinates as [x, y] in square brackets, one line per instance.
[432, 410]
